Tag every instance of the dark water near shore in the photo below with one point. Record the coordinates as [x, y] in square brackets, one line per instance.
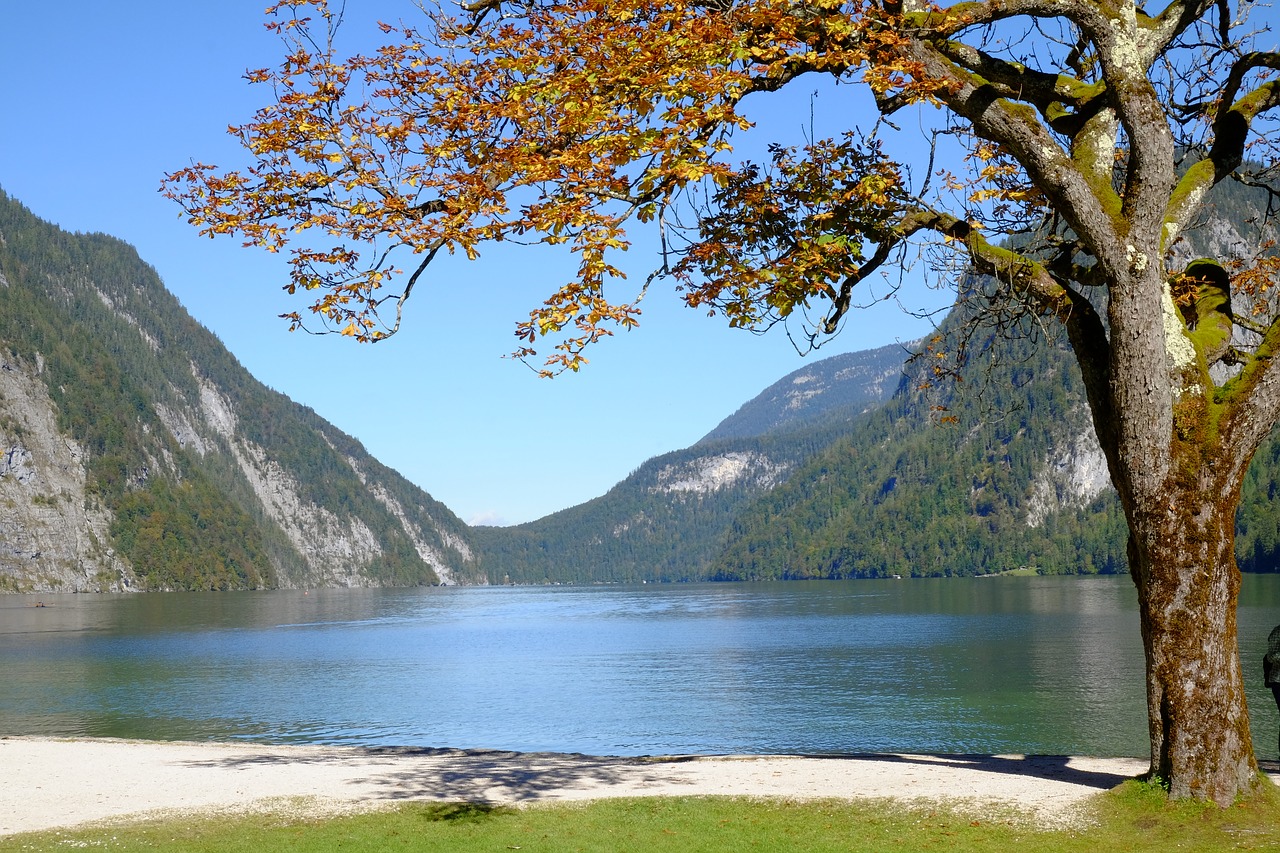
[994, 665]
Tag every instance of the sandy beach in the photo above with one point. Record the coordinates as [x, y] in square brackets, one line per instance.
[54, 783]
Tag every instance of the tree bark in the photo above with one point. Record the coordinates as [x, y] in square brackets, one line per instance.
[1178, 449]
[1182, 558]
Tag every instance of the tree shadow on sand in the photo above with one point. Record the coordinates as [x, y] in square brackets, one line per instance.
[1055, 768]
[476, 776]
[490, 776]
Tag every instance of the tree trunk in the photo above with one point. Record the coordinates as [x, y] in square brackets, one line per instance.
[1182, 558]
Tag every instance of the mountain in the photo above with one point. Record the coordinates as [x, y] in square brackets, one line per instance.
[837, 387]
[137, 453]
[669, 518]
[853, 481]
[996, 471]
[825, 475]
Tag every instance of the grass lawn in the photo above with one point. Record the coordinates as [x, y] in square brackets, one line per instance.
[1134, 817]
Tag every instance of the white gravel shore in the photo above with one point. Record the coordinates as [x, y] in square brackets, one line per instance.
[54, 783]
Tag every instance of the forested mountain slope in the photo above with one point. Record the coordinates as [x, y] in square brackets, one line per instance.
[838, 388]
[1016, 480]
[995, 469]
[137, 453]
[668, 520]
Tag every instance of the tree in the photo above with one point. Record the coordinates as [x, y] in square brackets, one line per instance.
[1087, 133]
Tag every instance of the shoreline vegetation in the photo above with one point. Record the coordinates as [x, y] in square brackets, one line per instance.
[213, 796]
[1020, 572]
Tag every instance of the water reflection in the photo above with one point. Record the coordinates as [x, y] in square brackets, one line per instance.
[998, 665]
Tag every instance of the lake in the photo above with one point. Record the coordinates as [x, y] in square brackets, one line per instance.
[990, 665]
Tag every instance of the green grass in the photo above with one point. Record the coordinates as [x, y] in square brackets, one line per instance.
[1134, 817]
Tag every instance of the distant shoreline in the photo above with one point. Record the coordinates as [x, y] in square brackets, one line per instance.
[54, 783]
[1020, 572]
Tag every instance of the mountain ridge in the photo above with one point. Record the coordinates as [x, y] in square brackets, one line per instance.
[667, 520]
[837, 386]
[136, 453]
[129, 426]
[991, 464]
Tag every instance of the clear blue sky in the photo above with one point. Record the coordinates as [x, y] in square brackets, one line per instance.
[101, 99]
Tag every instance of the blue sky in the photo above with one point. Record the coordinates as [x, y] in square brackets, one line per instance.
[101, 99]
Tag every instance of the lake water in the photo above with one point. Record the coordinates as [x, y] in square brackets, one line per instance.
[996, 665]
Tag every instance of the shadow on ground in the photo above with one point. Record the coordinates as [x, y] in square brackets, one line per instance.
[488, 776]
[1048, 767]
[478, 776]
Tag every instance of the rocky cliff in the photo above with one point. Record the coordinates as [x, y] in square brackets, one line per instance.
[669, 519]
[54, 533]
[136, 453]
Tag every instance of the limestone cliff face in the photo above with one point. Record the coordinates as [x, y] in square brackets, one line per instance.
[416, 523]
[136, 453]
[54, 535]
[332, 548]
[1072, 475]
[706, 474]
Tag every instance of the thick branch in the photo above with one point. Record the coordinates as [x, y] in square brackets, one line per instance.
[1159, 32]
[961, 16]
[1090, 213]
[1241, 68]
[1141, 112]
[1231, 135]
[1127, 42]
[1251, 400]
[1063, 101]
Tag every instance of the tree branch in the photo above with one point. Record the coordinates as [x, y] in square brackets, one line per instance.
[1251, 400]
[1052, 94]
[1090, 209]
[1161, 30]
[1231, 135]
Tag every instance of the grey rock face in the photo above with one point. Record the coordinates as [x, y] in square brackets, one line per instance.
[54, 535]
